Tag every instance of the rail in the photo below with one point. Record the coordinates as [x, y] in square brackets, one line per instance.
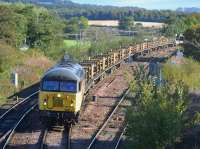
[105, 123]
[67, 129]
[19, 103]
[16, 125]
[42, 144]
[120, 138]
[69, 136]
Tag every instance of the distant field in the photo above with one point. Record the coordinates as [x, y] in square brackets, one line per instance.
[74, 43]
[115, 23]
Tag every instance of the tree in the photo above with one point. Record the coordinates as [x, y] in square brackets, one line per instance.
[126, 23]
[177, 25]
[9, 27]
[193, 35]
[45, 31]
[75, 24]
[111, 13]
[157, 117]
[83, 23]
[37, 26]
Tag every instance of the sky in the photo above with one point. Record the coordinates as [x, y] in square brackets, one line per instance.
[149, 4]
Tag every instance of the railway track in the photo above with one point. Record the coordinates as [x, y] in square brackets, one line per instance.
[56, 136]
[104, 129]
[5, 139]
[12, 117]
[117, 145]
[23, 101]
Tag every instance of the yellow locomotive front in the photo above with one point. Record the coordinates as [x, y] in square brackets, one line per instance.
[62, 92]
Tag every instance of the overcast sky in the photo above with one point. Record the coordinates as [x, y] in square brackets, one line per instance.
[149, 4]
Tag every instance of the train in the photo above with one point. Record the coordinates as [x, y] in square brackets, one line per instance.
[64, 86]
[61, 92]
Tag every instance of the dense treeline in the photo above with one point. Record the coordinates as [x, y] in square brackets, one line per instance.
[69, 9]
[26, 24]
[95, 12]
[189, 26]
[181, 24]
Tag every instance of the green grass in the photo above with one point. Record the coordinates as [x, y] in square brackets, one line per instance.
[77, 49]
[74, 44]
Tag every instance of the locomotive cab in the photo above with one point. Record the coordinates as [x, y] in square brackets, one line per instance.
[61, 93]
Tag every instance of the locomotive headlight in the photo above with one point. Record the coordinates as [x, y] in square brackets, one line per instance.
[58, 95]
[45, 102]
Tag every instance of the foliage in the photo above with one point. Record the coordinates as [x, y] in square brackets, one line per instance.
[77, 49]
[177, 25]
[187, 72]
[75, 24]
[106, 43]
[94, 12]
[156, 118]
[12, 26]
[190, 27]
[192, 52]
[29, 65]
[46, 32]
[193, 34]
[126, 23]
[98, 41]
[26, 24]
[68, 9]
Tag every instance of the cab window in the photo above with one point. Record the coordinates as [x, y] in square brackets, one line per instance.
[68, 86]
[50, 85]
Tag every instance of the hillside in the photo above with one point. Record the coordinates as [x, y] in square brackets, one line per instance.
[47, 2]
[68, 9]
[189, 10]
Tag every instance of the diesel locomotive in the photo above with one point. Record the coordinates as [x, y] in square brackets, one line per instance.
[62, 92]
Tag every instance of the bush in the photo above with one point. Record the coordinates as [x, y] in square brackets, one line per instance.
[156, 117]
[188, 72]
[29, 65]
